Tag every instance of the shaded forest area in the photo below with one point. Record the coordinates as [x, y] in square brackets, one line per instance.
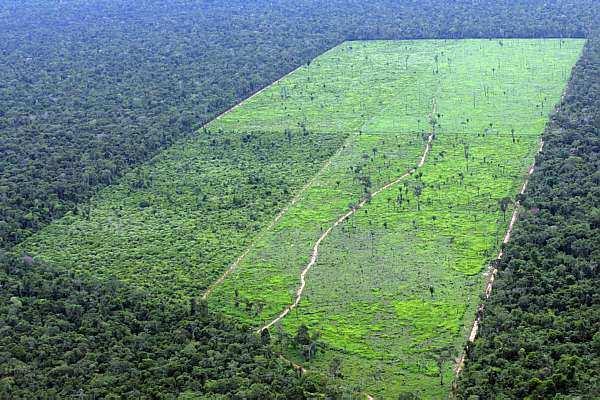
[540, 336]
[90, 89]
[63, 336]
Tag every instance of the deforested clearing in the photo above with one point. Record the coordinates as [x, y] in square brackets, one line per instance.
[393, 287]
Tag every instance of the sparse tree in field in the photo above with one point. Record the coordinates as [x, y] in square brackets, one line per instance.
[249, 305]
[309, 351]
[202, 308]
[335, 367]
[265, 337]
[504, 203]
[442, 356]
[283, 92]
[466, 153]
[399, 200]
[366, 183]
[372, 237]
[236, 297]
[258, 306]
[302, 336]
[418, 190]
[193, 306]
[281, 337]
[432, 122]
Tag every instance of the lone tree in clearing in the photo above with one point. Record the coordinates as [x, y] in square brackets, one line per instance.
[504, 202]
[335, 367]
[302, 336]
[265, 337]
[443, 355]
[418, 190]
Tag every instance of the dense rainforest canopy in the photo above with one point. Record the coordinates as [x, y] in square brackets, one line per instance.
[540, 335]
[89, 90]
[64, 336]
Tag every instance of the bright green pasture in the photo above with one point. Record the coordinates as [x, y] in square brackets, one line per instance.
[386, 140]
[370, 294]
[343, 90]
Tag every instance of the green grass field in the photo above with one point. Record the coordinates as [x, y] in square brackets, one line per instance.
[395, 287]
[369, 294]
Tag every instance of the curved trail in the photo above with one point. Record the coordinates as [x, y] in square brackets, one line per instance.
[279, 215]
[494, 270]
[294, 200]
[315, 251]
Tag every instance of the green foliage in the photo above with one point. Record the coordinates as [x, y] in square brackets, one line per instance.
[539, 336]
[302, 337]
[90, 89]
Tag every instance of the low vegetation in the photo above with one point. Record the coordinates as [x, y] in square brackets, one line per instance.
[395, 289]
[173, 225]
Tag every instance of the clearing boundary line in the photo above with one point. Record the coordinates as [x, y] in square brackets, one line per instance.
[279, 215]
[493, 269]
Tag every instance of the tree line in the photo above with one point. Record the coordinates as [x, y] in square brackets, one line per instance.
[68, 336]
[91, 89]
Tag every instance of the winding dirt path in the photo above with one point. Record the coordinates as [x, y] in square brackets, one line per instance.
[315, 251]
[492, 268]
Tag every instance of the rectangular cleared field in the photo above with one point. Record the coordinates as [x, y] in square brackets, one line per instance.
[395, 286]
[394, 289]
